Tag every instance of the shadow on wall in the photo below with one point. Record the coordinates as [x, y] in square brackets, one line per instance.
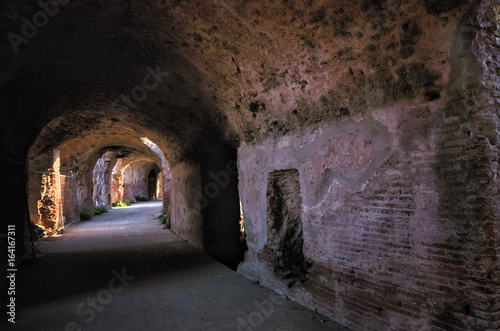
[284, 226]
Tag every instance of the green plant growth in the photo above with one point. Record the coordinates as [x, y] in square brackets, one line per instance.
[165, 219]
[140, 198]
[85, 215]
[99, 210]
[124, 203]
[496, 20]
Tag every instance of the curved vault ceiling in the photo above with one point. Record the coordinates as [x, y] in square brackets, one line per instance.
[80, 135]
[232, 70]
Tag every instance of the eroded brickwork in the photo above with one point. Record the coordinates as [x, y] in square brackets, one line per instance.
[387, 110]
[285, 240]
[117, 182]
[410, 242]
[406, 240]
[70, 203]
[45, 193]
[49, 205]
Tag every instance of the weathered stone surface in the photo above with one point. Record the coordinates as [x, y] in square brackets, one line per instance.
[48, 206]
[70, 203]
[117, 182]
[284, 226]
[186, 203]
[387, 111]
[102, 180]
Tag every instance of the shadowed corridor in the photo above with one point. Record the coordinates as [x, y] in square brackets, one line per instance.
[161, 283]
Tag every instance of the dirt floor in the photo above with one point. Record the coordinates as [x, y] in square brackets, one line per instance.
[123, 271]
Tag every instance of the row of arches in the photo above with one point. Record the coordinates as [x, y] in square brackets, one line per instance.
[117, 178]
[73, 170]
[408, 85]
[59, 193]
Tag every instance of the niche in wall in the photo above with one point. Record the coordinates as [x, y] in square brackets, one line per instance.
[284, 226]
[152, 185]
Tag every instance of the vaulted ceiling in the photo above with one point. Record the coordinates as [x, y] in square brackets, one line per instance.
[226, 70]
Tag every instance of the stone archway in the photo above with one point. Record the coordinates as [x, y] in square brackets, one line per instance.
[387, 109]
[152, 184]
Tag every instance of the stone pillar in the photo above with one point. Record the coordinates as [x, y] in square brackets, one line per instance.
[186, 203]
[102, 174]
[128, 182]
[45, 200]
[85, 185]
[117, 182]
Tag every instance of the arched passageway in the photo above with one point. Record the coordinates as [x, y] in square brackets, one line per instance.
[110, 164]
[364, 132]
[144, 277]
[152, 185]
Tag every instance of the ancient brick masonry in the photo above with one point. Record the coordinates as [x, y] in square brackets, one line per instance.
[70, 203]
[117, 183]
[285, 241]
[407, 243]
[416, 237]
[45, 191]
[48, 206]
[102, 174]
[366, 136]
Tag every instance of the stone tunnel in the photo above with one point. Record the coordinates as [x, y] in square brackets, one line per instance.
[360, 138]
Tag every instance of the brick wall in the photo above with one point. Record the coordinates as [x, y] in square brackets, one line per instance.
[405, 241]
[186, 209]
[70, 203]
[401, 232]
[117, 182]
